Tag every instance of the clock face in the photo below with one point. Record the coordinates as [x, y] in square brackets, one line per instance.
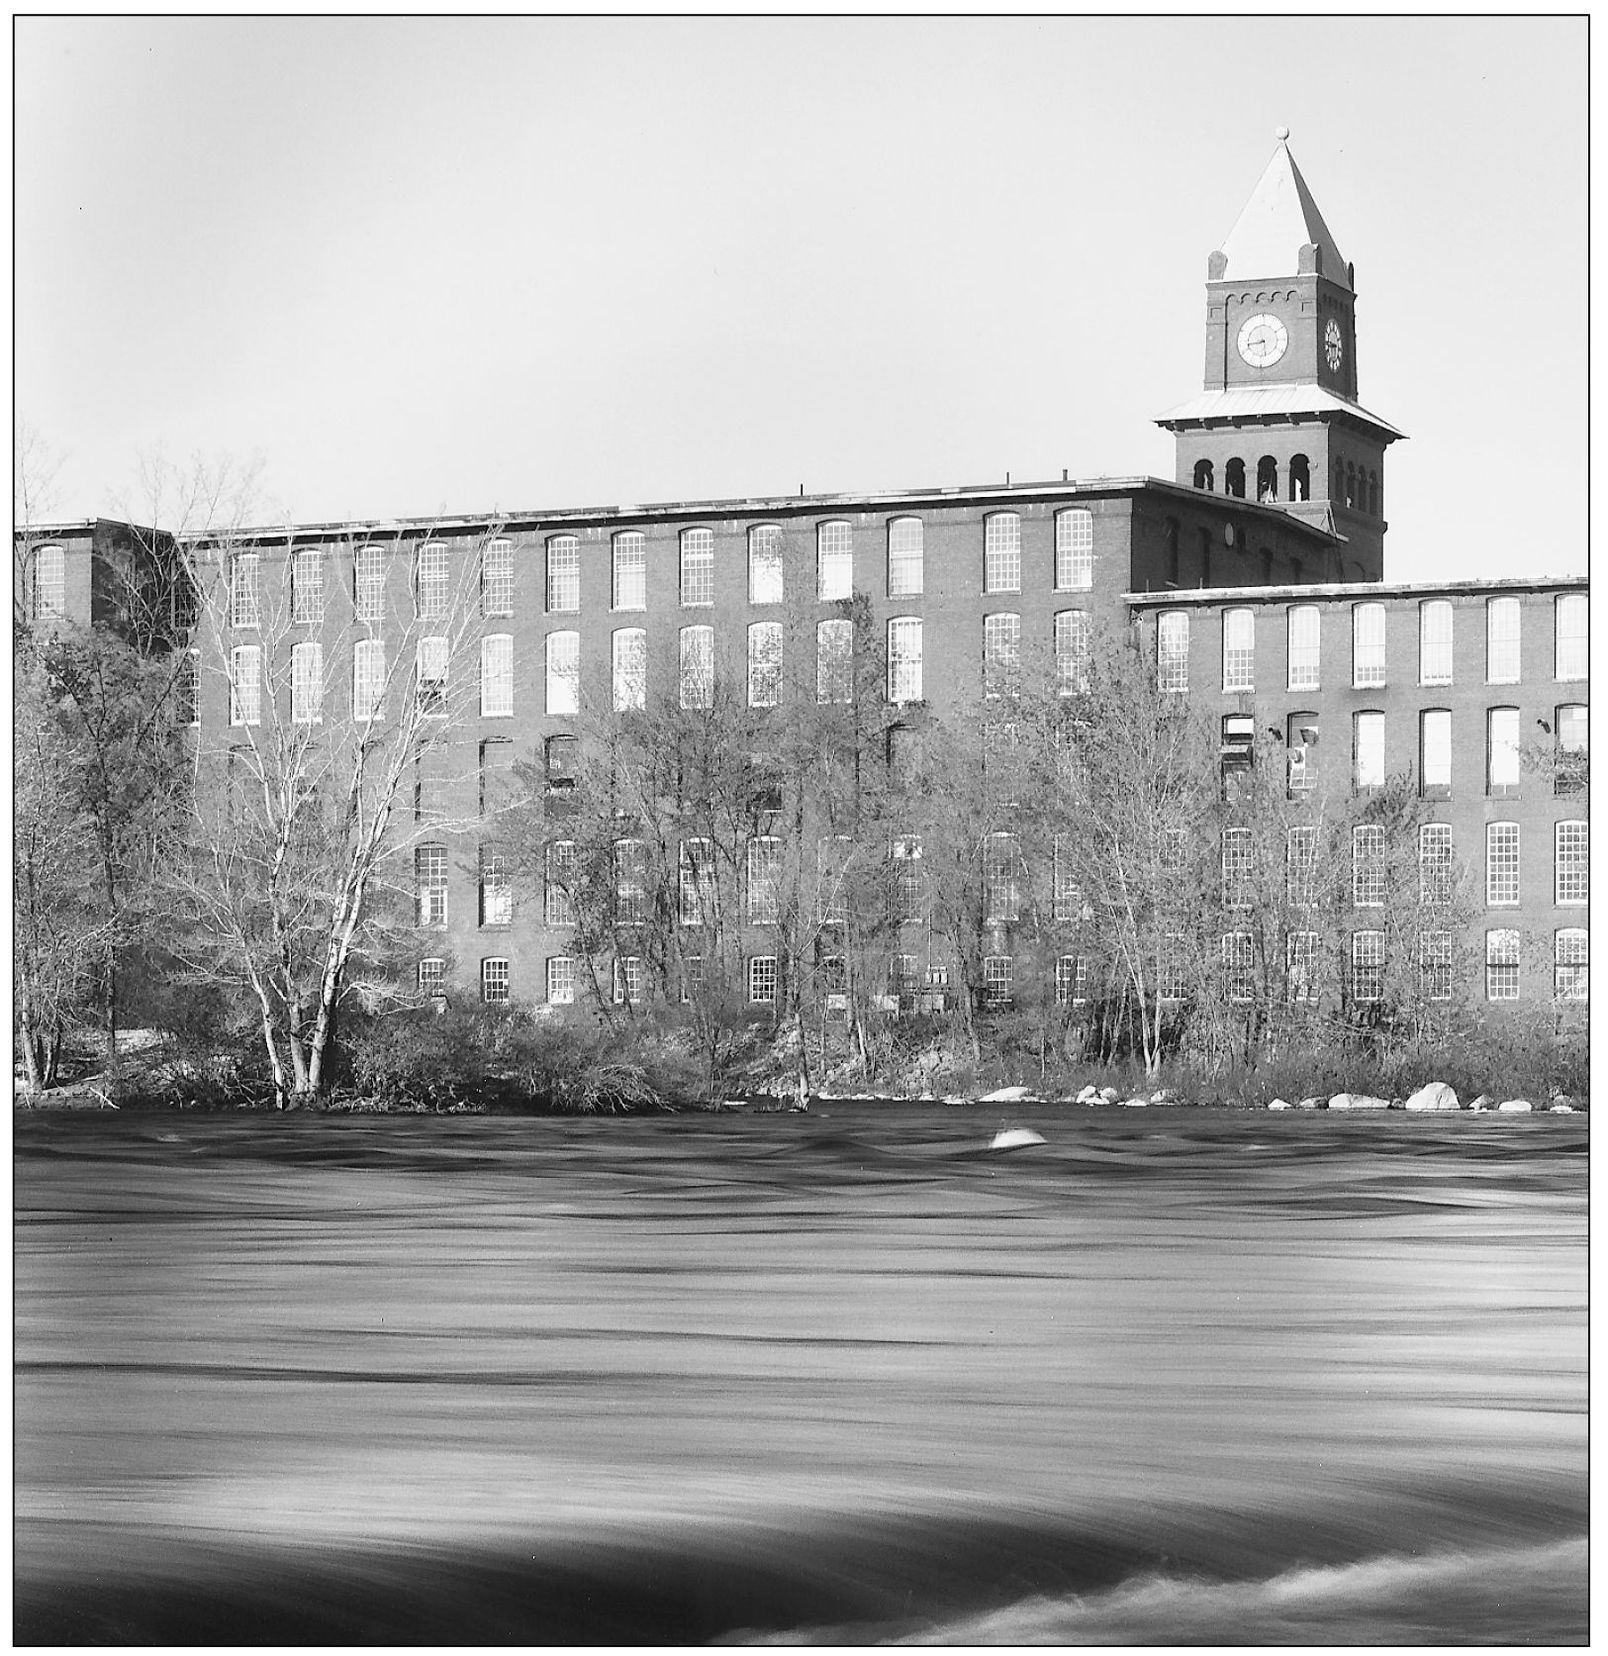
[1262, 341]
[1333, 345]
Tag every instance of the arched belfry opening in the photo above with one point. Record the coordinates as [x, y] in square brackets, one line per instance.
[1267, 478]
[1300, 477]
[1204, 478]
[1234, 479]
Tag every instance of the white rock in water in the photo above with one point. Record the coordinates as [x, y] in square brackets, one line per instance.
[1136, 1103]
[1279, 1104]
[1562, 1109]
[1004, 1095]
[1516, 1106]
[1309, 1104]
[1013, 1138]
[1358, 1101]
[1110, 1095]
[1089, 1095]
[1483, 1102]
[1433, 1095]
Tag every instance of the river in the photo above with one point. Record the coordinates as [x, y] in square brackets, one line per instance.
[1173, 1375]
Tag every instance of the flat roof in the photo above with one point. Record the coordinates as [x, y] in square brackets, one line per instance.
[1172, 597]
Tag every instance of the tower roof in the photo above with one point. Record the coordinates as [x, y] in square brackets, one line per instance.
[1276, 223]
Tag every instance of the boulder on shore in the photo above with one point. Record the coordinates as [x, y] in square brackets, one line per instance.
[1311, 1103]
[1515, 1106]
[1004, 1095]
[1089, 1095]
[1358, 1101]
[1562, 1109]
[1111, 1095]
[1483, 1102]
[1136, 1103]
[1433, 1095]
[1279, 1104]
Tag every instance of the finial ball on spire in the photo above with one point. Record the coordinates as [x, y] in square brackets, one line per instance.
[1281, 133]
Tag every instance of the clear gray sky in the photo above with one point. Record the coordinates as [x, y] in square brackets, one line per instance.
[425, 265]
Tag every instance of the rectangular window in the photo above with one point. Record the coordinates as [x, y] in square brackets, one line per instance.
[368, 679]
[561, 980]
[1172, 650]
[1301, 967]
[692, 979]
[1071, 980]
[764, 880]
[493, 981]
[1002, 865]
[368, 583]
[187, 688]
[432, 976]
[245, 593]
[1367, 965]
[497, 578]
[1570, 657]
[245, 684]
[765, 579]
[833, 853]
[1501, 864]
[1368, 749]
[1002, 552]
[1071, 653]
[1502, 641]
[906, 557]
[50, 583]
[1236, 868]
[497, 676]
[1066, 897]
[431, 667]
[904, 659]
[563, 763]
[765, 664]
[496, 890]
[559, 868]
[909, 886]
[1435, 965]
[1074, 550]
[1572, 741]
[630, 882]
[1570, 862]
[904, 974]
[563, 672]
[697, 884]
[1171, 981]
[834, 561]
[1301, 749]
[1502, 751]
[307, 585]
[697, 667]
[563, 575]
[1569, 980]
[1300, 865]
[1368, 866]
[1002, 655]
[997, 981]
[1239, 971]
[628, 981]
[631, 570]
[834, 661]
[1239, 650]
[1501, 965]
[1435, 642]
[430, 884]
[306, 683]
[1436, 871]
[432, 581]
[1435, 751]
[762, 980]
[1304, 657]
[697, 566]
[630, 670]
[1367, 646]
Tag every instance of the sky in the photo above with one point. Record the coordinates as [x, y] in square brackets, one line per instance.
[428, 265]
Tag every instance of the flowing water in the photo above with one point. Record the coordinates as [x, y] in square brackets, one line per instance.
[1171, 1376]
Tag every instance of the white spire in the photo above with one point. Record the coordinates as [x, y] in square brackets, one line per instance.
[1280, 218]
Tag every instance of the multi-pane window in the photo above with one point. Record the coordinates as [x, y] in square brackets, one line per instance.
[1071, 980]
[563, 575]
[563, 758]
[564, 672]
[306, 683]
[1572, 738]
[631, 570]
[1501, 750]
[697, 882]
[187, 688]
[307, 585]
[630, 882]
[1368, 749]
[1569, 964]
[493, 981]
[762, 980]
[368, 583]
[368, 679]
[497, 578]
[245, 590]
[696, 678]
[764, 880]
[1066, 895]
[496, 676]
[833, 853]
[1300, 865]
[430, 884]
[1435, 641]
[432, 976]
[1172, 650]
[245, 684]
[1501, 864]
[904, 974]
[904, 658]
[1435, 965]
[1502, 965]
[496, 889]
[1502, 641]
[628, 980]
[1239, 969]
[765, 564]
[1002, 552]
[834, 661]
[1002, 655]
[50, 583]
[1435, 750]
[430, 658]
[1074, 549]
[1239, 649]
[1570, 862]
[630, 676]
[1367, 965]
[905, 557]
[1301, 966]
[1570, 659]
[1368, 866]
[1304, 636]
[431, 581]
[561, 980]
[1236, 868]
[909, 886]
[1436, 872]
[1071, 652]
[692, 978]
[834, 561]
[997, 980]
[1172, 981]
[1301, 738]
[559, 867]
[765, 664]
[1002, 868]
[1367, 646]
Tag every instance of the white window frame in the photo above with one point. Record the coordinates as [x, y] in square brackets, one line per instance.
[834, 661]
[494, 980]
[1368, 749]
[1237, 868]
[907, 557]
[1304, 632]
[1367, 955]
[697, 568]
[560, 980]
[695, 668]
[307, 585]
[497, 676]
[630, 882]
[834, 561]
[245, 684]
[630, 985]
[49, 583]
[430, 885]
[1002, 877]
[1074, 549]
[431, 658]
[563, 574]
[762, 980]
[767, 577]
[1239, 967]
[1502, 957]
[563, 665]
[1502, 764]
[431, 574]
[630, 570]
[1504, 622]
[432, 975]
[1571, 863]
[765, 664]
[697, 891]
[1239, 650]
[1367, 646]
[245, 590]
[1504, 865]
[307, 683]
[1301, 967]
[1435, 965]
[497, 578]
[1571, 653]
[1172, 651]
[368, 583]
[1002, 654]
[368, 674]
[1368, 866]
[1002, 552]
[629, 669]
[1436, 631]
[763, 883]
[558, 871]
[1436, 864]
[496, 888]
[1300, 865]
[1571, 964]
[1071, 644]
[996, 981]
[1434, 748]
[904, 659]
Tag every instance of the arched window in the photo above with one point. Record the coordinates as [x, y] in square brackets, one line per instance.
[834, 561]
[630, 669]
[1351, 485]
[1172, 650]
[1234, 479]
[904, 658]
[563, 672]
[1204, 476]
[834, 661]
[1002, 552]
[1303, 651]
[765, 564]
[1373, 493]
[765, 664]
[1338, 494]
[631, 570]
[905, 542]
[1239, 649]
[697, 566]
[563, 574]
[368, 582]
[697, 676]
[1267, 478]
[1300, 477]
[1074, 549]
[1002, 654]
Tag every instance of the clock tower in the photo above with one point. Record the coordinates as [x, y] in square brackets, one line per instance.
[1278, 419]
